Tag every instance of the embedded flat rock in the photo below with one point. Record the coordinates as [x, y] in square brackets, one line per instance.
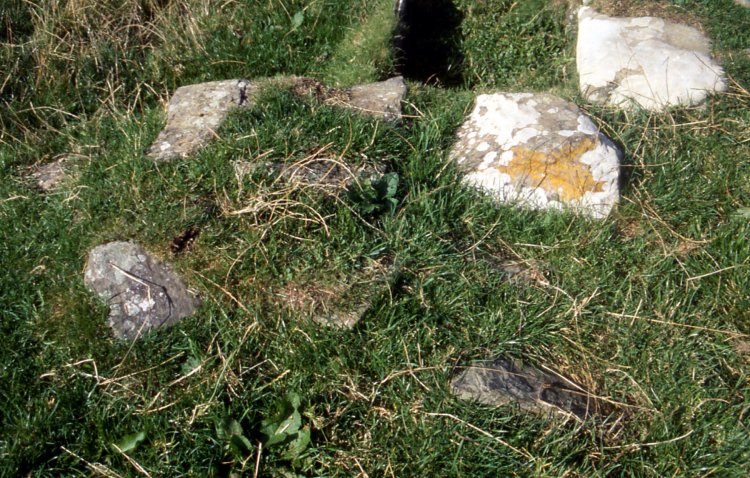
[538, 151]
[645, 61]
[141, 292]
[381, 99]
[194, 114]
[503, 380]
[338, 301]
[50, 176]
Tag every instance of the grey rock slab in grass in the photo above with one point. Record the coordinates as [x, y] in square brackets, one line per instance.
[339, 302]
[538, 151]
[142, 293]
[382, 99]
[504, 380]
[644, 61]
[49, 176]
[743, 3]
[194, 114]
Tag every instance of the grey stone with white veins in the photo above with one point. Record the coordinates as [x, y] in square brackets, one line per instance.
[504, 380]
[142, 293]
[194, 114]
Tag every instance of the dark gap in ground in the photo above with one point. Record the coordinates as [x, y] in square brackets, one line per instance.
[426, 43]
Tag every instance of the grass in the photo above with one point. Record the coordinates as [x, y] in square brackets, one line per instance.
[648, 308]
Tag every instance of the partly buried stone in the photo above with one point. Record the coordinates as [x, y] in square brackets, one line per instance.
[51, 175]
[338, 301]
[381, 99]
[643, 60]
[194, 114]
[538, 151]
[504, 380]
[330, 174]
[141, 292]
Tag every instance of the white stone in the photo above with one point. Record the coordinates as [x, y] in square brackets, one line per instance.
[645, 61]
[535, 158]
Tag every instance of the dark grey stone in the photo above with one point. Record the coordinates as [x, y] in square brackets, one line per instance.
[142, 293]
[504, 380]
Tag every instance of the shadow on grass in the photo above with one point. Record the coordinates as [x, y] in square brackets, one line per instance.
[426, 44]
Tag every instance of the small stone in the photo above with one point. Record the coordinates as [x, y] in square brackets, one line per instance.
[538, 151]
[194, 114]
[382, 99]
[645, 61]
[339, 302]
[743, 3]
[142, 293]
[49, 176]
[504, 380]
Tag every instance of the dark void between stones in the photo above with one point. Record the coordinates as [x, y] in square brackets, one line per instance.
[426, 43]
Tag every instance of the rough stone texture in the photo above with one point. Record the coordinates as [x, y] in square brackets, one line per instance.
[194, 114]
[142, 293]
[743, 3]
[381, 100]
[643, 60]
[504, 380]
[321, 173]
[539, 151]
[336, 301]
[49, 176]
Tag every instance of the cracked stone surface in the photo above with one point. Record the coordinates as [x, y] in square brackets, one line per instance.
[645, 61]
[538, 151]
[504, 380]
[194, 114]
[142, 293]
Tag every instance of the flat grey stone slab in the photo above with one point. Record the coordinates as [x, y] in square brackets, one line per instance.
[142, 293]
[644, 61]
[538, 151]
[503, 380]
[382, 99]
[194, 114]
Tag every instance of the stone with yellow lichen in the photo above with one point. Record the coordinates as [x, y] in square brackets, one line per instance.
[539, 151]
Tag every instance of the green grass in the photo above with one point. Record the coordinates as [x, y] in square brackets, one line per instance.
[646, 308]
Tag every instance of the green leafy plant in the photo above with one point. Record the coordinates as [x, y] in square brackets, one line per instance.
[230, 431]
[284, 430]
[375, 197]
[129, 442]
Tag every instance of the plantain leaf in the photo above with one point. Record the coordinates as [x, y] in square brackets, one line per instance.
[130, 442]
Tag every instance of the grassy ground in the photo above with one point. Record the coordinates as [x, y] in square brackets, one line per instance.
[648, 308]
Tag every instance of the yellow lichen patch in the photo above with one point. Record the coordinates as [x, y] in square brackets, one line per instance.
[558, 171]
